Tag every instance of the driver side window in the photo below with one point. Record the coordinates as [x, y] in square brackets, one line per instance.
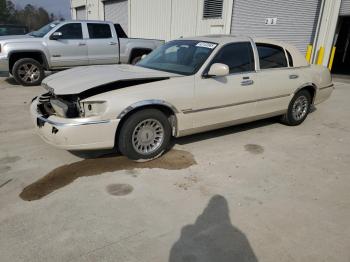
[71, 31]
[239, 57]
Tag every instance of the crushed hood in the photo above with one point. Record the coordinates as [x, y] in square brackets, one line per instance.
[80, 79]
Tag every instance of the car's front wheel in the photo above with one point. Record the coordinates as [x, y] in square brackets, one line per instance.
[28, 72]
[144, 135]
[298, 109]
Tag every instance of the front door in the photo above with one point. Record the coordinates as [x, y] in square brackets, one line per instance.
[220, 100]
[70, 49]
[102, 47]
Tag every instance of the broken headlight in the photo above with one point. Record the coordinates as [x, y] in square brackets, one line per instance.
[93, 108]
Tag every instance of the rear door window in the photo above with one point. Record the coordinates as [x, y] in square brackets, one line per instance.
[99, 31]
[238, 57]
[271, 56]
[290, 59]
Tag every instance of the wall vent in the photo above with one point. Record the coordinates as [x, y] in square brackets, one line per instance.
[213, 9]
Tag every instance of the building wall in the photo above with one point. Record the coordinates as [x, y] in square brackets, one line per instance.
[170, 19]
[295, 21]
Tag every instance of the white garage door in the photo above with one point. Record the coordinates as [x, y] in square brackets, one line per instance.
[292, 21]
[345, 7]
[117, 12]
[81, 12]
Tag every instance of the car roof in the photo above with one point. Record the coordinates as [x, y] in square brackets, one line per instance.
[86, 21]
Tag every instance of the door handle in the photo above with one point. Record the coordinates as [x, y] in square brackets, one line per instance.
[112, 43]
[247, 82]
[293, 76]
[82, 44]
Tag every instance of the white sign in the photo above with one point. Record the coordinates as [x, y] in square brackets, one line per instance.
[271, 21]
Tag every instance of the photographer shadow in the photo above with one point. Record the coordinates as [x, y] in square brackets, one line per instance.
[212, 238]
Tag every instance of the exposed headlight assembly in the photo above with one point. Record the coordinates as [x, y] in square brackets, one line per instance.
[93, 108]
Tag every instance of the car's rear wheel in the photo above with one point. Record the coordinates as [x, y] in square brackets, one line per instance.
[298, 109]
[144, 135]
[28, 72]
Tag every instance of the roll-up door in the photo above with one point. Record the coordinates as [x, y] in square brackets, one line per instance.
[345, 8]
[293, 21]
[117, 11]
[81, 12]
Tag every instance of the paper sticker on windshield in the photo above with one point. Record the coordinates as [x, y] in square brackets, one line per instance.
[206, 45]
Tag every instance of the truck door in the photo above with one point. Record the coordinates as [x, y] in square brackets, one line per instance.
[102, 46]
[67, 47]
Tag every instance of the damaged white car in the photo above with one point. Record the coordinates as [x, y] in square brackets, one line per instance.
[184, 87]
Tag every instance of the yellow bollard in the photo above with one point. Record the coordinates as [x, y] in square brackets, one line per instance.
[331, 59]
[308, 53]
[320, 56]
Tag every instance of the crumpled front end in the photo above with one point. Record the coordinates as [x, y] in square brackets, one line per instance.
[62, 123]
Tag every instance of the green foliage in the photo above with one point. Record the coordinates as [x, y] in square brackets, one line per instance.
[31, 16]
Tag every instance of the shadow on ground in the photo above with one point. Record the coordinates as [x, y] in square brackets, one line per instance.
[212, 238]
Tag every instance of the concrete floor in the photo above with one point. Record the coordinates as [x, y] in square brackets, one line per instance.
[256, 192]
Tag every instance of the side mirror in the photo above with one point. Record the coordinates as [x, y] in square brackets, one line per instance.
[143, 56]
[56, 36]
[218, 69]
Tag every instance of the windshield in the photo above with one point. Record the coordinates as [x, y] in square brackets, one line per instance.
[183, 57]
[44, 30]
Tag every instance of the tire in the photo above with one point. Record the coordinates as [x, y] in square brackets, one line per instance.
[146, 130]
[28, 72]
[298, 109]
[135, 60]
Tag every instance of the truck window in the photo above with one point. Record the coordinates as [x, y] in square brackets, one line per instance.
[71, 31]
[239, 57]
[271, 56]
[120, 31]
[99, 31]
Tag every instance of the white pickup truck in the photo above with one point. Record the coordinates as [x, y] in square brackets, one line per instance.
[61, 45]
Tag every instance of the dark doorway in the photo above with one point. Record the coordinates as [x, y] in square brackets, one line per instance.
[341, 64]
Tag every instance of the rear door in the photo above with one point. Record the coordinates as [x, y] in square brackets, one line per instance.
[102, 45]
[224, 99]
[70, 49]
[277, 77]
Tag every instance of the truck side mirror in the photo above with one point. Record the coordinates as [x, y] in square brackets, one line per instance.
[143, 56]
[56, 36]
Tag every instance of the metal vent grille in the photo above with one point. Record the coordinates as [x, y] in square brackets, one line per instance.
[213, 8]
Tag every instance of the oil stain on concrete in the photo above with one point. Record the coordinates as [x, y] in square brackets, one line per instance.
[254, 149]
[119, 189]
[64, 175]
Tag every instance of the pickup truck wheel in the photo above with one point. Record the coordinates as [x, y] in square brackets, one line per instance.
[28, 72]
[135, 60]
[298, 109]
[145, 135]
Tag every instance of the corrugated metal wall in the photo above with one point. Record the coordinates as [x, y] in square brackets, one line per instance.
[170, 19]
[80, 13]
[345, 8]
[296, 20]
[117, 11]
[150, 18]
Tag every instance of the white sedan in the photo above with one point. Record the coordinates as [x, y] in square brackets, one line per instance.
[184, 87]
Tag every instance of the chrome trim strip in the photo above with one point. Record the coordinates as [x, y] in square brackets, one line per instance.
[325, 87]
[234, 104]
[145, 103]
[54, 123]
